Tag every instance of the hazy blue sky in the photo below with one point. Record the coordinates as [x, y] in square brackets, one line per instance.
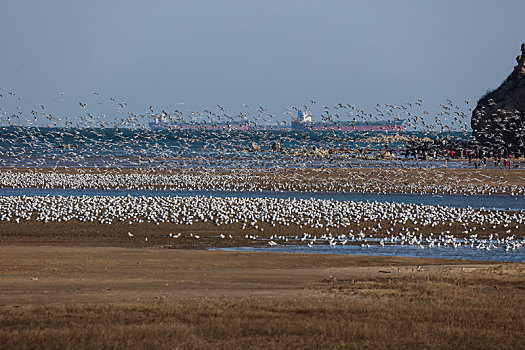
[270, 53]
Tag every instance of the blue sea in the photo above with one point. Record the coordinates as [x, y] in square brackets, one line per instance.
[147, 148]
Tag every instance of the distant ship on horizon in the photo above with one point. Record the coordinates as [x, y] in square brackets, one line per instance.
[162, 122]
[303, 122]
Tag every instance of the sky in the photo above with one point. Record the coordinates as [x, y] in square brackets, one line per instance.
[193, 55]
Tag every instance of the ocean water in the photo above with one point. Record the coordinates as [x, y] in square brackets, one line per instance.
[144, 147]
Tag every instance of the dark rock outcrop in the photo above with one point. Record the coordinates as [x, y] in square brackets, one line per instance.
[498, 121]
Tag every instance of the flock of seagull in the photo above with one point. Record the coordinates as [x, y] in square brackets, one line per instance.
[450, 117]
[90, 151]
[102, 140]
[384, 181]
[118, 138]
[329, 221]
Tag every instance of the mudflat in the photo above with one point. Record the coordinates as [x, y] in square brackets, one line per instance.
[42, 275]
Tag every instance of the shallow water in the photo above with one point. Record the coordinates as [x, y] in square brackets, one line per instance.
[498, 202]
[459, 253]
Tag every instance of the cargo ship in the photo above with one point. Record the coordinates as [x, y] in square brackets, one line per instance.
[304, 121]
[162, 122]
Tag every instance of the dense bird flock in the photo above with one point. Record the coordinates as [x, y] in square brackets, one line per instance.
[393, 223]
[247, 181]
[91, 139]
[39, 149]
[113, 136]
[448, 117]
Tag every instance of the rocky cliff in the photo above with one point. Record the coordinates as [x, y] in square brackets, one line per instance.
[498, 121]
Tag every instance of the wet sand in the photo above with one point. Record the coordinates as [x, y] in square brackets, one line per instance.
[42, 275]
[150, 235]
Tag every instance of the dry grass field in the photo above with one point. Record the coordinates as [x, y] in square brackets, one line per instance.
[121, 298]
